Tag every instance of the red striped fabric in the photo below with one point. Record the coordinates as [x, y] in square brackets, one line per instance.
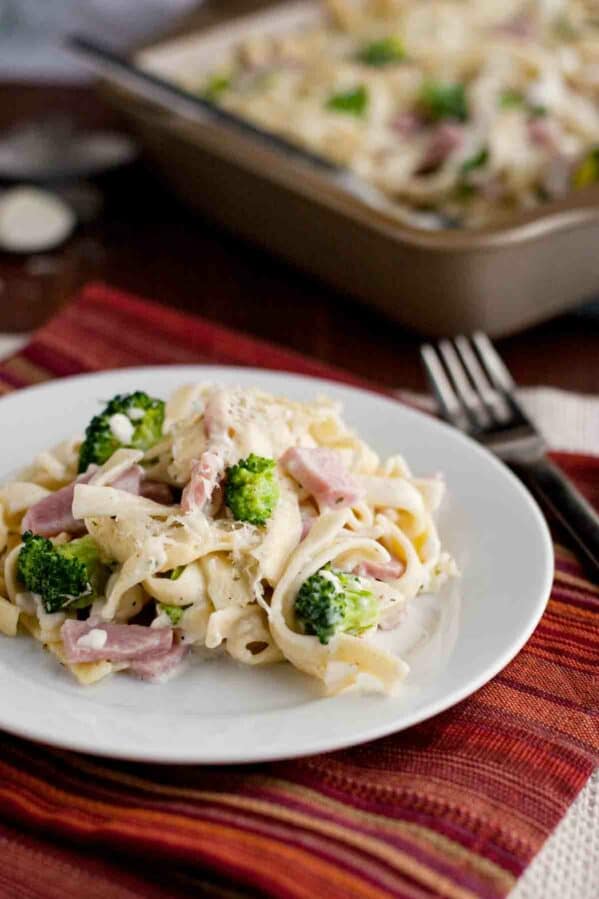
[455, 807]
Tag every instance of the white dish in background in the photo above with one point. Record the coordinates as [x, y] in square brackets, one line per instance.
[219, 712]
[11, 343]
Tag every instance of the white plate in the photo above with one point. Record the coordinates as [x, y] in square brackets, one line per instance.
[223, 712]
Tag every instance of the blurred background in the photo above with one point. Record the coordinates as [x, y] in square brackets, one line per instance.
[48, 97]
[32, 31]
[86, 204]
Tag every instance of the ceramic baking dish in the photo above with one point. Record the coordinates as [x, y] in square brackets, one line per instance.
[498, 279]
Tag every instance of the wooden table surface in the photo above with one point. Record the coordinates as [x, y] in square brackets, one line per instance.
[146, 242]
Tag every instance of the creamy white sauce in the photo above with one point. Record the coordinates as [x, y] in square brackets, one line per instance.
[94, 639]
[331, 577]
[121, 428]
[47, 620]
[26, 602]
[548, 90]
[426, 633]
[98, 604]
[161, 620]
[337, 673]
[136, 414]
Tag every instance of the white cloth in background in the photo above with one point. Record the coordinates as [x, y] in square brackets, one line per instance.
[31, 32]
[567, 867]
[11, 343]
[569, 421]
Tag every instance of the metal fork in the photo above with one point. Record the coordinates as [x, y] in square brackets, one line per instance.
[477, 394]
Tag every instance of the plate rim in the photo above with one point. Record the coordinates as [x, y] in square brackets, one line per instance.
[325, 743]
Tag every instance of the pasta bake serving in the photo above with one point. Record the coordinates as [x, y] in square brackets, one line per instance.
[460, 111]
[227, 521]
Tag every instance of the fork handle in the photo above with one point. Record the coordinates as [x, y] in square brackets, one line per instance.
[573, 511]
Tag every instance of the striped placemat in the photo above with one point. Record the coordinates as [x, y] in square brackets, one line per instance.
[455, 807]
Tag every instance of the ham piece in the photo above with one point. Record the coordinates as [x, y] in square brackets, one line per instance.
[446, 137]
[156, 491]
[322, 473]
[129, 480]
[123, 643]
[381, 571]
[216, 416]
[160, 666]
[521, 25]
[52, 515]
[406, 124]
[205, 473]
[544, 134]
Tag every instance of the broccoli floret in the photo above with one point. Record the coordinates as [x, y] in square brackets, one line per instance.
[252, 489]
[144, 417]
[466, 188]
[383, 52]
[477, 161]
[174, 573]
[511, 99]
[439, 100]
[587, 172]
[68, 575]
[332, 602]
[352, 102]
[174, 612]
[216, 86]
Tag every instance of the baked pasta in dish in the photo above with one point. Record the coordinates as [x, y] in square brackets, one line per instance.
[460, 111]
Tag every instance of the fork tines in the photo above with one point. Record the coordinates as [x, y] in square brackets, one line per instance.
[476, 394]
[474, 388]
